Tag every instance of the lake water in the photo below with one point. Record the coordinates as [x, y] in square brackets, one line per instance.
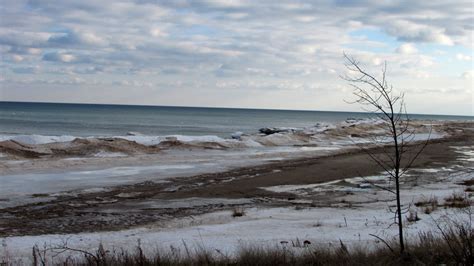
[54, 119]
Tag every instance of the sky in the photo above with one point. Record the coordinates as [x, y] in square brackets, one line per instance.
[248, 54]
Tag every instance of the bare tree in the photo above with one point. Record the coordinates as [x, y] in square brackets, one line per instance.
[397, 153]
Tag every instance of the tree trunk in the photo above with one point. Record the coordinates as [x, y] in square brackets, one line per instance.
[399, 214]
[397, 182]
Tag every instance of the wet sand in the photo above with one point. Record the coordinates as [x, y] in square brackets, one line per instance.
[149, 203]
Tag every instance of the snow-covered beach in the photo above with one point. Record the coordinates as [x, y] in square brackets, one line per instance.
[36, 164]
[280, 199]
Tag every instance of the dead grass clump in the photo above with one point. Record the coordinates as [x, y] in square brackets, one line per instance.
[238, 212]
[40, 195]
[318, 224]
[299, 208]
[428, 210]
[468, 183]
[457, 200]
[428, 206]
[412, 216]
[456, 196]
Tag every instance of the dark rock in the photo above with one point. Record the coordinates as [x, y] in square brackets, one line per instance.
[273, 130]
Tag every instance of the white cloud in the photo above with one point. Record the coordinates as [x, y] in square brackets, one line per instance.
[410, 31]
[468, 75]
[91, 38]
[422, 74]
[407, 48]
[157, 32]
[308, 49]
[305, 18]
[33, 51]
[226, 3]
[19, 38]
[17, 58]
[424, 62]
[463, 57]
[76, 37]
[377, 61]
[237, 15]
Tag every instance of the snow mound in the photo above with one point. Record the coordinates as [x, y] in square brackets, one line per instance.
[37, 139]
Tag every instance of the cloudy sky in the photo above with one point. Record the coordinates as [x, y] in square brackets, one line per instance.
[262, 54]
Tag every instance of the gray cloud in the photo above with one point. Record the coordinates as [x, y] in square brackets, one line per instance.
[75, 38]
[59, 57]
[26, 70]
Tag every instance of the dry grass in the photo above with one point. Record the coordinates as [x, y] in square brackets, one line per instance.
[457, 200]
[40, 195]
[238, 212]
[412, 216]
[429, 205]
[469, 182]
[454, 246]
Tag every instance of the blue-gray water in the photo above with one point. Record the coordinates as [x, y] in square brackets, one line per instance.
[117, 120]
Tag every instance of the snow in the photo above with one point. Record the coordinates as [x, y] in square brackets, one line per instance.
[361, 185]
[290, 136]
[467, 151]
[237, 135]
[433, 170]
[18, 187]
[94, 190]
[154, 140]
[290, 188]
[141, 139]
[319, 128]
[25, 177]
[368, 121]
[259, 227]
[185, 138]
[269, 226]
[37, 139]
[110, 154]
[145, 140]
[320, 148]
[250, 143]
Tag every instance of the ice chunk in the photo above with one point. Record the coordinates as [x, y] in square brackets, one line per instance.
[237, 135]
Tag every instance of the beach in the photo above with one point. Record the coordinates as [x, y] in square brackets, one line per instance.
[306, 183]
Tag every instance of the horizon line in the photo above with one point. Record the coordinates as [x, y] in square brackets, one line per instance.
[219, 107]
